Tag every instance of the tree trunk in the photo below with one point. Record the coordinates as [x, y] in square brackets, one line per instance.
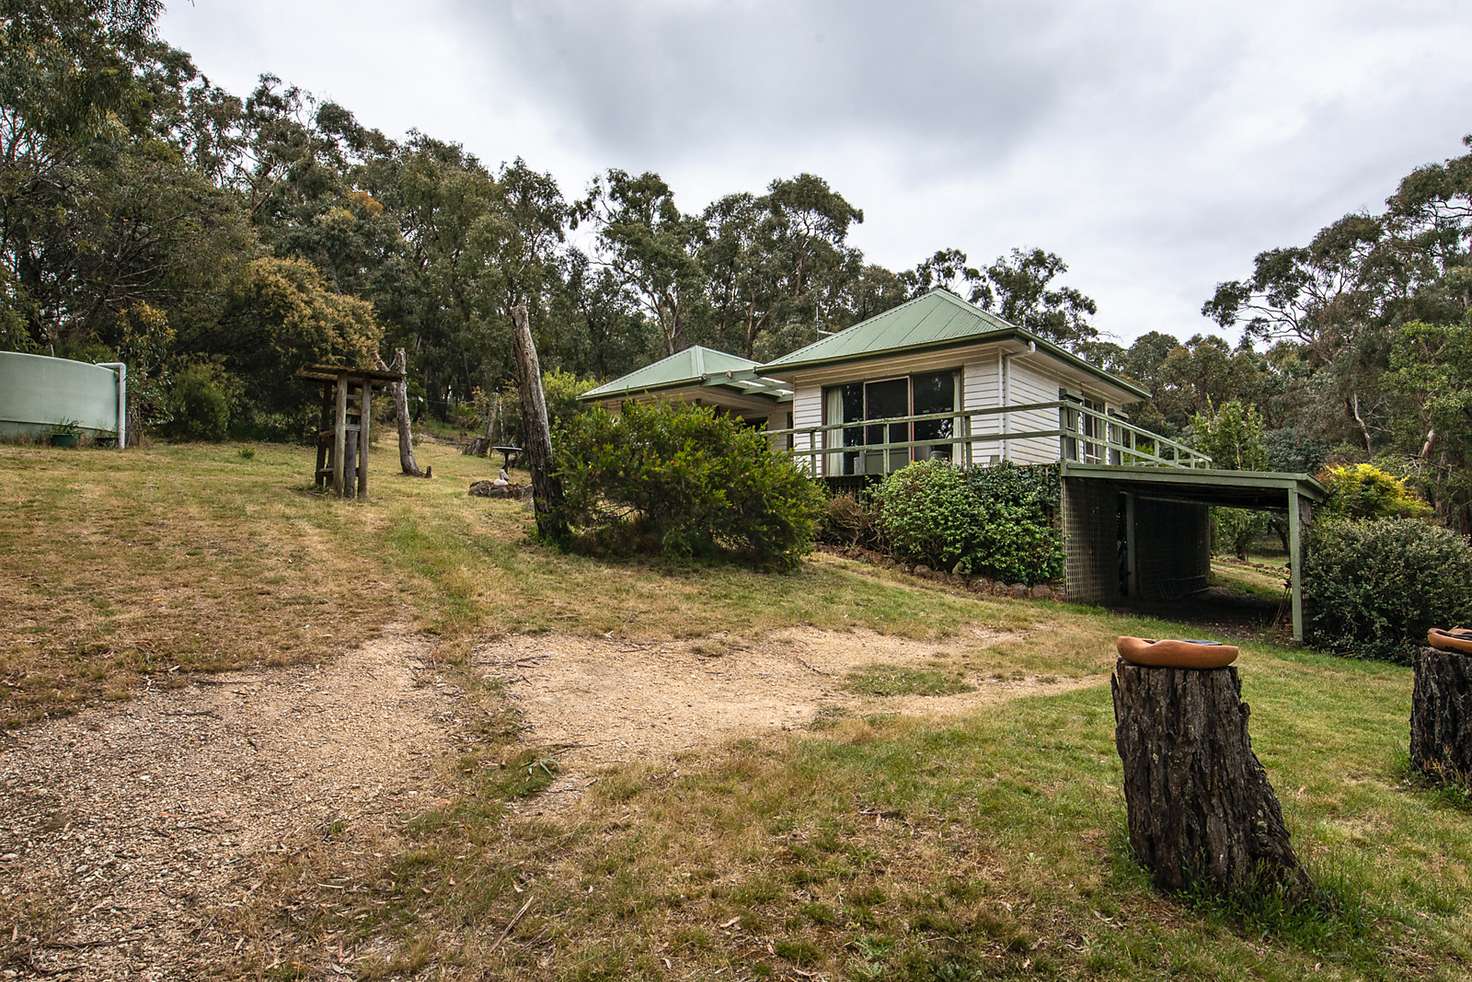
[1354, 414]
[1201, 811]
[1441, 716]
[401, 416]
[546, 487]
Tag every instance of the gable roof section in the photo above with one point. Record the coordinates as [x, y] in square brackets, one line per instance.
[938, 319]
[695, 365]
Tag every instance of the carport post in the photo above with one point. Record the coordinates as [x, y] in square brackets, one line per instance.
[1295, 559]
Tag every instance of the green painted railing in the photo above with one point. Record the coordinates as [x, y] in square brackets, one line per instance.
[1109, 440]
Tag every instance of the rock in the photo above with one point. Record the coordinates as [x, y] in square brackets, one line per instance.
[496, 489]
[1016, 590]
[1041, 592]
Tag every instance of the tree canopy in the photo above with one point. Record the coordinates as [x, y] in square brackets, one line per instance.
[150, 215]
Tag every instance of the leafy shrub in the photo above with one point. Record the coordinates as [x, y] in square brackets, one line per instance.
[1232, 435]
[682, 480]
[1372, 588]
[847, 521]
[928, 513]
[559, 389]
[200, 400]
[994, 521]
[1366, 491]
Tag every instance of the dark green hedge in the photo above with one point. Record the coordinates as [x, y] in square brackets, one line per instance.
[1372, 588]
[997, 521]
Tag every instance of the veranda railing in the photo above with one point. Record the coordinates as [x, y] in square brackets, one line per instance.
[1092, 437]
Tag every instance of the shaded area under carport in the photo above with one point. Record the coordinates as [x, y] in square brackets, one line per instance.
[1133, 531]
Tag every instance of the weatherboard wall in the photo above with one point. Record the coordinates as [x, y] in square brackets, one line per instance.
[1027, 384]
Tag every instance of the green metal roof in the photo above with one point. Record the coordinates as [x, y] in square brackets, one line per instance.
[939, 319]
[696, 365]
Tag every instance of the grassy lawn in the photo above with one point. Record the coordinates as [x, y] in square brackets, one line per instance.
[879, 847]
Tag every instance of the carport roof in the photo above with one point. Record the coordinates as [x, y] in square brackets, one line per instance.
[1240, 489]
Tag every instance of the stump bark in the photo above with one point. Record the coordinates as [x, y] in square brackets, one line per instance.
[1441, 716]
[1201, 810]
[546, 486]
[407, 463]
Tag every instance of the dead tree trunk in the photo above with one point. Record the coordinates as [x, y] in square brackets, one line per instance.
[537, 445]
[400, 391]
[1201, 811]
[1441, 717]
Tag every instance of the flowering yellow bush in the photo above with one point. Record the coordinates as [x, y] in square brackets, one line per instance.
[1366, 491]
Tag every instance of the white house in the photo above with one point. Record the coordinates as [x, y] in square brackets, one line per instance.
[939, 377]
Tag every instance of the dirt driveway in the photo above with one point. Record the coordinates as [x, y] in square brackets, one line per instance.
[127, 833]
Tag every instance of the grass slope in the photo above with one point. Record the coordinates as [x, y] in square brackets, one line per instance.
[884, 847]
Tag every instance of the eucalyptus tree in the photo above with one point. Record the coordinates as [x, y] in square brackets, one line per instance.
[103, 205]
[651, 248]
[777, 264]
[1018, 287]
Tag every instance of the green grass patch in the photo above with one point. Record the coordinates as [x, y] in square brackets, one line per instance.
[902, 680]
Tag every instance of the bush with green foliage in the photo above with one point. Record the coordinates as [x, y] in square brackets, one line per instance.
[559, 389]
[683, 481]
[1372, 588]
[1232, 434]
[201, 396]
[1234, 530]
[994, 521]
[1366, 491]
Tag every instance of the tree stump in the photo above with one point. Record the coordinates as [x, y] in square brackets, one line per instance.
[1201, 811]
[1441, 716]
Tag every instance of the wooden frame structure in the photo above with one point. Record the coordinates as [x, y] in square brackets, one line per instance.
[343, 427]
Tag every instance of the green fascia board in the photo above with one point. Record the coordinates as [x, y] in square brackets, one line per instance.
[695, 365]
[936, 320]
[1264, 480]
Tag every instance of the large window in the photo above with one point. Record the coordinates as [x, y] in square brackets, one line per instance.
[905, 395]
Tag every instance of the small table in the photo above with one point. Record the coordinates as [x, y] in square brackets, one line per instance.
[506, 454]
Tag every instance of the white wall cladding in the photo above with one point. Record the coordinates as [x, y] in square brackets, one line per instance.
[981, 388]
[807, 410]
[1028, 385]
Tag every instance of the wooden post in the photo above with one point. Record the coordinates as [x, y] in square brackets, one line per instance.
[1295, 562]
[1441, 717]
[1201, 810]
[546, 488]
[365, 414]
[339, 436]
[324, 419]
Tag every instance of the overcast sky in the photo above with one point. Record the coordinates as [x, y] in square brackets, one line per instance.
[1156, 147]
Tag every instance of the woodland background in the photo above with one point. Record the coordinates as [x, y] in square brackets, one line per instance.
[217, 241]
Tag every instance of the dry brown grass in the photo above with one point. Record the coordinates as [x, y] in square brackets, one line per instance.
[154, 564]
